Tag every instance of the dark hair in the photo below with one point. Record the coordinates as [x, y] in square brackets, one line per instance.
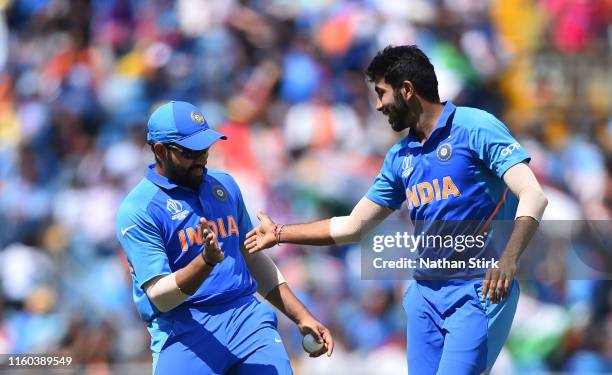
[405, 63]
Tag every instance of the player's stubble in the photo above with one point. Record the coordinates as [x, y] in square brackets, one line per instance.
[403, 115]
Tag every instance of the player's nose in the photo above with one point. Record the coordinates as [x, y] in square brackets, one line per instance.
[203, 158]
[379, 105]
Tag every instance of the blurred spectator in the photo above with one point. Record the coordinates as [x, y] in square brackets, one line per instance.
[283, 79]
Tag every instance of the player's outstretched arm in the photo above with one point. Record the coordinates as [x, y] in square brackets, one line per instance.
[283, 299]
[268, 233]
[337, 230]
[532, 202]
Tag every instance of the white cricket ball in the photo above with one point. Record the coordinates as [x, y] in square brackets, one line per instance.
[310, 344]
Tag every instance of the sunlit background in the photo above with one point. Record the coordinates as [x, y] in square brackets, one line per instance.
[284, 80]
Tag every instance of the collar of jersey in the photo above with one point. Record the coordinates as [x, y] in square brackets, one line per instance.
[158, 179]
[449, 109]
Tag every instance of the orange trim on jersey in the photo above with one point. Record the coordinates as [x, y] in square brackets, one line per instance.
[490, 218]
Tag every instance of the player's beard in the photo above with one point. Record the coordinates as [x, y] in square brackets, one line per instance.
[186, 176]
[400, 115]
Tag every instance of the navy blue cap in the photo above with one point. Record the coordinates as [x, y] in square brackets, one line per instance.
[181, 123]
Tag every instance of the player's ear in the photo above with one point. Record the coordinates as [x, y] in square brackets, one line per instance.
[160, 152]
[407, 90]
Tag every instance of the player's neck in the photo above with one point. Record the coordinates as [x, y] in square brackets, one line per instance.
[161, 171]
[427, 120]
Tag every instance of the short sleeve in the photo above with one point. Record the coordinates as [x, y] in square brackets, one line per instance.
[388, 189]
[141, 240]
[492, 142]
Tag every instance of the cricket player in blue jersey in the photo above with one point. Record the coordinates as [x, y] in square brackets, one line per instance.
[182, 229]
[455, 163]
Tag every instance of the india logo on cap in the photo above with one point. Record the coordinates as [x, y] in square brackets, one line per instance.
[197, 118]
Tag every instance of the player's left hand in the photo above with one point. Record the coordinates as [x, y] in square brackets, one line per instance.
[212, 251]
[320, 333]
[497, 281]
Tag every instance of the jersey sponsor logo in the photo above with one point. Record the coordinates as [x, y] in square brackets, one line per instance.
[426, 192]
[510, 149]
[176, 209]
[444, 152]
[223, 228]
[407, 166]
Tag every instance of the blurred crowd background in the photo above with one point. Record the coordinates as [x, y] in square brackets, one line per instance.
[284, 80]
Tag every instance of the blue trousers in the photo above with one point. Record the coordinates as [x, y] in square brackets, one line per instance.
[452, 330]
[235, 339]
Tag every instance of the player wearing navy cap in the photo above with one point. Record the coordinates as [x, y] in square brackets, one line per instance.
[455, 164]
[182, 229]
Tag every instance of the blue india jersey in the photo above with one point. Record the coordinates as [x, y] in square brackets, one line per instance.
[455, 175]
[160, 228]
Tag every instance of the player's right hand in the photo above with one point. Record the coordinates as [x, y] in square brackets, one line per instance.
[262, 236]
[212, 251]
[320, 333]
